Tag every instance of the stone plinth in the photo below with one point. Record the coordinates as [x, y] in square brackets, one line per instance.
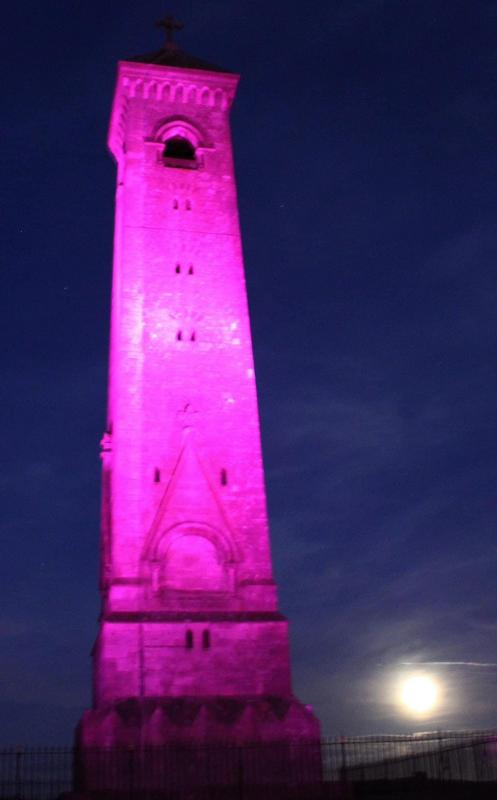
[188, 743]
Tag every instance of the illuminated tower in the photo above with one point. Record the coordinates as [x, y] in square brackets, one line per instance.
[191, 644]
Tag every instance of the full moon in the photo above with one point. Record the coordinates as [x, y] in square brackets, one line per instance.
[419, 694]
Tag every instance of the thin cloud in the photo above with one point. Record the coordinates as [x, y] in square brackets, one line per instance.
[449, 663]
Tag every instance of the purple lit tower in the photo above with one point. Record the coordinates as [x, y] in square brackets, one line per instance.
[191, 645]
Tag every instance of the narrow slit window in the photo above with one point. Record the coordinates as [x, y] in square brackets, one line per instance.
[188, 205]
[157, 475]
[224, 477]
[178, 269]
[193, 336]
[175, 204]
[189, 640]
[190, 271]
[179, 336]
[206, 639]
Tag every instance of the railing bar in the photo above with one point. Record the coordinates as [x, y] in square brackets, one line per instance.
[46, 772]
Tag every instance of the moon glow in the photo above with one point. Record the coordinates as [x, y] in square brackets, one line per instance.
[419, 695]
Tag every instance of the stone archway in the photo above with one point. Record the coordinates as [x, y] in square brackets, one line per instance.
[192, 563]
[193, 567]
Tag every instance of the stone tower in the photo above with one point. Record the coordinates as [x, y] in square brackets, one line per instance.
[191, 644]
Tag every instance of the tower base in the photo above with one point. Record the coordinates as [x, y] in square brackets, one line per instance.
[181, 744]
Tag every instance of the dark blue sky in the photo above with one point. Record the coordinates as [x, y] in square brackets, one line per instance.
[364, 134]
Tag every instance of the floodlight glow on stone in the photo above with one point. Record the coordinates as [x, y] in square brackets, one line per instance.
[190, 616]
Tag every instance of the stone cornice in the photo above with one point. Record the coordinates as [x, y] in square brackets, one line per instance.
[168, 85]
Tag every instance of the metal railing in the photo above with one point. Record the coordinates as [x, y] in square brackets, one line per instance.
[332, 768]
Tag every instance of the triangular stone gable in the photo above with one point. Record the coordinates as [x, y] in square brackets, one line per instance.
[190, 498]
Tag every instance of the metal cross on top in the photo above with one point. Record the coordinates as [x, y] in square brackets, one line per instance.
[170, 25]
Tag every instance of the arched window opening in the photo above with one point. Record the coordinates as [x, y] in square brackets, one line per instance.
[190, 271]
[179, 336]
[223, 477]
[189, 640]
[179, 149]
[178, 269]
[193, 336]
[188, 205]
[206, 639]
[175, 204]
[157, 475]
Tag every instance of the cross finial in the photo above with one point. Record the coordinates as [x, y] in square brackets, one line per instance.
[170, 25]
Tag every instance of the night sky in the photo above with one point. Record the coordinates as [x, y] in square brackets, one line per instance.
[365, 149]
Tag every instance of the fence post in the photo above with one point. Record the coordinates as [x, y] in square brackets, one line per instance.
[131, 769]
[240, 775]
[476, 764]
[444, 770]
[17, 779]
[343, 767]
